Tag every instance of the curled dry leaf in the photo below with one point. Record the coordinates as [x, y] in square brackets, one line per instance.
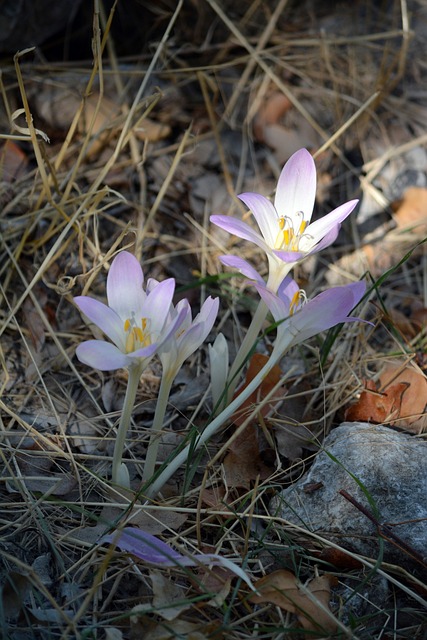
[375, 406]
[309, 603]
[168, 598]
[412, 414]
[399, 399]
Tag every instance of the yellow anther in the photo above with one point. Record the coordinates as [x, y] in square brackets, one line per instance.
[127, 325]
[287, 236]
[139, 334]
[282, 223]
[294, 302]
[302, 227]
[130, 342]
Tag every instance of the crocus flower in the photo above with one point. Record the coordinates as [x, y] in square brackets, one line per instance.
[286, 235]
[189, 335]
[136, 321]
[299, 320]
[156, 552]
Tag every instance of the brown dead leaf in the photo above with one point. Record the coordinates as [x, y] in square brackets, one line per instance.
[340, 559]
[243, 467]
[13, 162]
[412, 416]
[256, 363]
[309, 603]
[411, 211]
[272, 109]
[377, 407]
[243, 462]
[57, 105]
[399, 399]
[419, 318]
[292, 435]
[142, 626]
[34, 322]
[404, 324]
[168, 597]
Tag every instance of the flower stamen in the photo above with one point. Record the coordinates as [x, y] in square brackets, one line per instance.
[288, 238]
[137, 337]
[298, 299]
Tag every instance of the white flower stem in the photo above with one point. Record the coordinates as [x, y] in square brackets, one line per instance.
[153, 445]
[213, 427]
[134, 374]
[245, 348]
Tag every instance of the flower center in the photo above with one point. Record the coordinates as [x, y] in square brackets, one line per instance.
[288, 237]
[137, 336]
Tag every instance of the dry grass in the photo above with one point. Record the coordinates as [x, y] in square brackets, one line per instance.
[113, 182]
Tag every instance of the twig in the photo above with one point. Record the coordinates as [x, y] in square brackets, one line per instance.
[384, 530]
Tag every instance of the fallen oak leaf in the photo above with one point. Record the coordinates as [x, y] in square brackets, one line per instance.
[243, 462]
[411, 415]
[309, 603]
[375, 406]
[256, 363]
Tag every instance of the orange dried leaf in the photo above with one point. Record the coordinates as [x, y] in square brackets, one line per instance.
[411, 415]
[13, 162]
[310, 603]
[376, 407]
[412, 209]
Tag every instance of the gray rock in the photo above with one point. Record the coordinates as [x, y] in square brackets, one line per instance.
[392, 469]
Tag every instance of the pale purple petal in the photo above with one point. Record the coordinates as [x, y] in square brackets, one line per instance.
[329, 308]
[265, 214]
[104, 318]
[124, 286]
[177, 349]
[290, 256]
[296, 187]
[186, 323]
[157, 305]
[321, 227]
[200, 329]
[101, 355]
[144, 546]
[173, 326]
[279, 307]
[243, 266]
[144, 352]
[287, 289]
[239, 229]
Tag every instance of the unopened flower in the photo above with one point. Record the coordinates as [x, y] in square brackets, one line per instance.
[219, 365]
[286, 234]
[136, 321]
[189, 335]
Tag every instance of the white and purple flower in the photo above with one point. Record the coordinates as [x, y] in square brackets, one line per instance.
[136, 321]
[299, 319]
[286, 234]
